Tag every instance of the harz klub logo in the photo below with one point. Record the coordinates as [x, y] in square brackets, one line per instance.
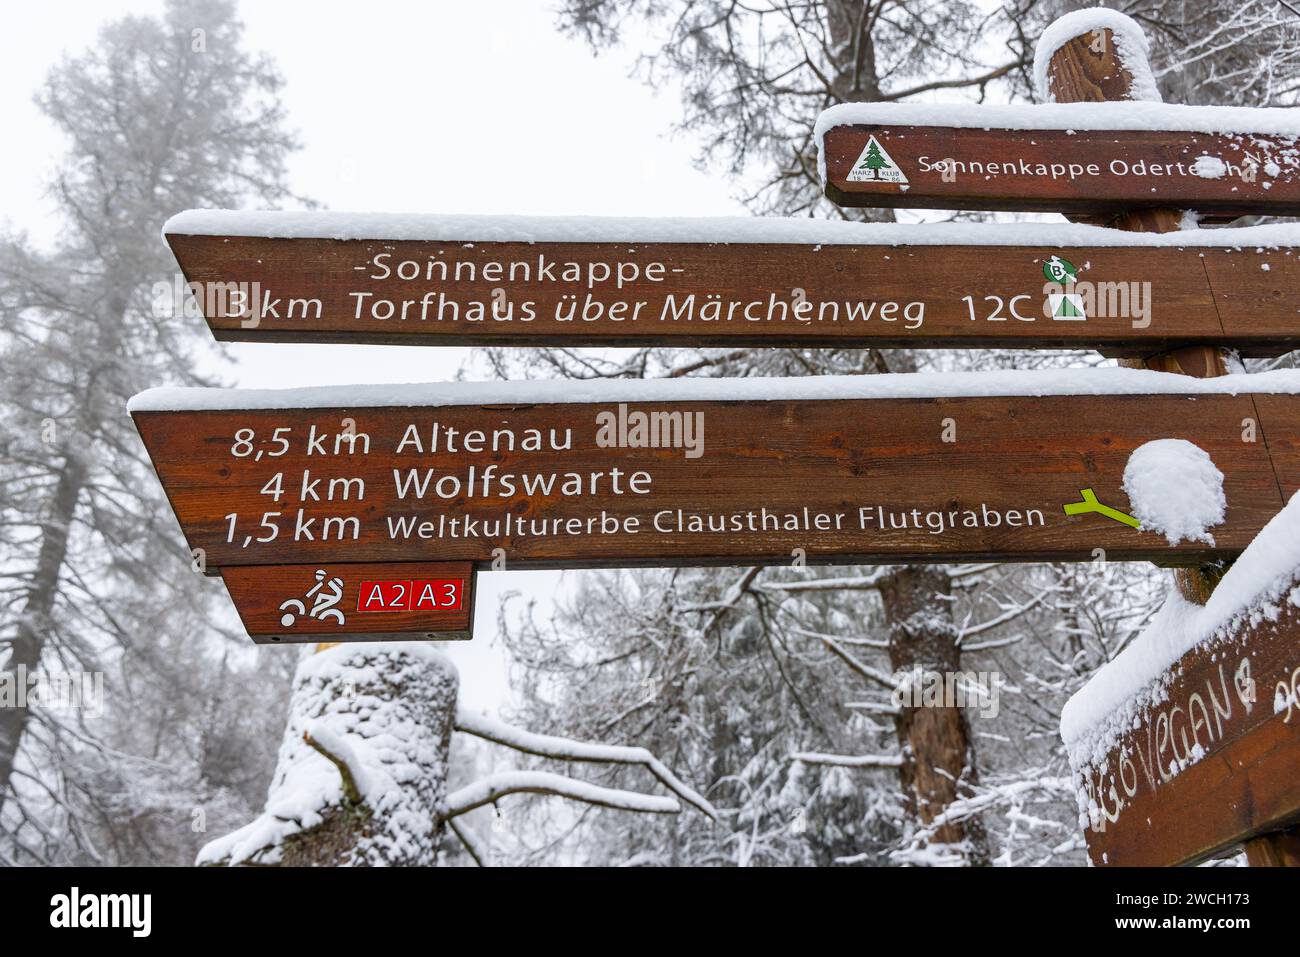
[875, 165]
[323, 600]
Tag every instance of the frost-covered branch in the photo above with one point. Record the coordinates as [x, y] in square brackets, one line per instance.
[1010, 794]
[566, 749]
[876, 707]
[481, 855]
[855, 583]
[849, 760]
[880, 643]
[874, 675]
[496, 786]
[737, 591]
[338, 754]
[1010, 614]
[993, 643]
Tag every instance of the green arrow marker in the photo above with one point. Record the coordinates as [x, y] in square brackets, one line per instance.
[1090, 504]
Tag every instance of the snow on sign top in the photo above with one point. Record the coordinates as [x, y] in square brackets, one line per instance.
[278, 224]
[1263, 576]
[1175, 488]
[1131, 47]
[1126, 115]
[893, 386]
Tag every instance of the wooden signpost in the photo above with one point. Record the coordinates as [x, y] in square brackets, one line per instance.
[697, 482]
[845, 284]
[323, 510]
[1068, 158]
[1210, 761]
[349, 600]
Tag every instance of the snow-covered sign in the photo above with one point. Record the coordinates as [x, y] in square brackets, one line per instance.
[1090, 158]
[1001, 466]
[349, 601]
[1188, 742]
[467, 280]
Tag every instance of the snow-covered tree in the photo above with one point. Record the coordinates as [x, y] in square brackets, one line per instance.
[161, 114]
[362, 777]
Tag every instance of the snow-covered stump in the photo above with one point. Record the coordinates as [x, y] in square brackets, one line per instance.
[362, 771]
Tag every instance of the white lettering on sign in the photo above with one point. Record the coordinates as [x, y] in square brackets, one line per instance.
[439, 470]
[1203, 167]
[1170, 738]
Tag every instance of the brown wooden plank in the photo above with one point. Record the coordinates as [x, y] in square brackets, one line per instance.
[1256, 305]
[1013, 456]
[1142, 813]
[376, 601]
[1141, 298]
[1283, 439]
[999, 169]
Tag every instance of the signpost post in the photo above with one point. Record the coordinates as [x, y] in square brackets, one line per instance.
[1205, 811]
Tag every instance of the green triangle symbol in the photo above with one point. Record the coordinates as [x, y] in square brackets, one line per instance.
[1068, 309]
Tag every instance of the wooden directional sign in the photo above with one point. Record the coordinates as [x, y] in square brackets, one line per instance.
[458, 472]
[1210, 759]
[347, 601]
[1086, 158]
[513, 281]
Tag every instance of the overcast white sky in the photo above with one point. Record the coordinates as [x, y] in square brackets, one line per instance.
[404, 105]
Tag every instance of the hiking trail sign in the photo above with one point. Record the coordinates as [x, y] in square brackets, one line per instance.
[323, 509]
[1201, 759]
[1076, 158]
[351, 601]
[465, 280]
[855, 469]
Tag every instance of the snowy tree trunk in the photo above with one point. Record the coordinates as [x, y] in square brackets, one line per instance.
[850, 29]
[362, 773]
[938, 754]
[34, 621]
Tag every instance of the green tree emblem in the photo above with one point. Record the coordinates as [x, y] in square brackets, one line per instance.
[873, 160]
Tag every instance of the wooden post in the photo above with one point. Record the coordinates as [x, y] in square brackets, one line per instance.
[1089, 69]
[1280, 849]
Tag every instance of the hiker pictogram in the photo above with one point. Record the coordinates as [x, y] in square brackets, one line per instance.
[324, 595]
